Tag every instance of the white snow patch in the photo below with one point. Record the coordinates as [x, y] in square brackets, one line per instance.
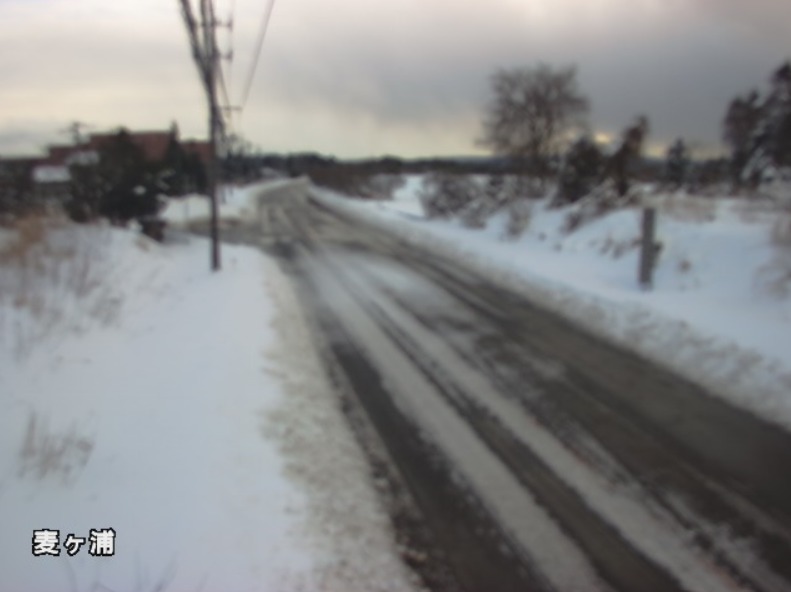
[47, 173]
[234, 203]
[156, 420]
[348, 520]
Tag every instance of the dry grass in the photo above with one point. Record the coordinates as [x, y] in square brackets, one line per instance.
[46, 453]
[618, 248]
[781, 231]
[684, 265]
[600, 202]
[46, 267]
[756, 209]
[775, 277]
[689, 208]
[26, 235]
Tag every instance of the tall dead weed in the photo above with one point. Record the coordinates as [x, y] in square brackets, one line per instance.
[49, 268]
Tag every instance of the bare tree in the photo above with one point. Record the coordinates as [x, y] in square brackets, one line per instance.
[532, 113]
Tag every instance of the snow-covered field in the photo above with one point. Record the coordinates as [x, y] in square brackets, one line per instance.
[186, 411]
[720, 308]
[182, 409]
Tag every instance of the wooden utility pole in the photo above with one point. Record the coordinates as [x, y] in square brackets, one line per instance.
[205, 55]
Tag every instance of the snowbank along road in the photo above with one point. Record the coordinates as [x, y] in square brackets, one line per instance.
[541, 458]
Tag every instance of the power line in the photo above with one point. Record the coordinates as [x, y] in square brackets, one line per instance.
[226, 81]
[259, 44]
[225, 98]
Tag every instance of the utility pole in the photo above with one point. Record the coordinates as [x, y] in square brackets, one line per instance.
[75, 131]
[205, 55]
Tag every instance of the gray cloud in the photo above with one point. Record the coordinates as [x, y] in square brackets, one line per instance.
[680, 65]
[760, 17]
[356, 76]
[27, 137]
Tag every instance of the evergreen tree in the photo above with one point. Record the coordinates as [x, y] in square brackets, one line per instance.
[677, 164]
[173, 174]
[447, 194]
[581, 170]
[120, 187]
[623, 162]
[758, 131]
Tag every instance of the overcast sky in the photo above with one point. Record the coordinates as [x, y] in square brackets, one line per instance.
[373, 77]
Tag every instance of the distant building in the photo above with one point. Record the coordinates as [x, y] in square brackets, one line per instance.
[152, 144]
[200, 148]
[57, 154]
[45, 180]
[52, 182]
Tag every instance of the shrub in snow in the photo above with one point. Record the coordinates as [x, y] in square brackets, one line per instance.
[774, 278]
[709, 177]
[494, 190]
[356, 181]
[781, 230]
[492, 194]
[475, 199]
[446, 194]
[519, 216]
[603, 199]
[381, 186]
[475, 214]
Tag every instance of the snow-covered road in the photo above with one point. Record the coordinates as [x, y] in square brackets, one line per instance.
[543, 458]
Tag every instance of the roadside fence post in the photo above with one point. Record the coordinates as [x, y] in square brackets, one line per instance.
[648, 249]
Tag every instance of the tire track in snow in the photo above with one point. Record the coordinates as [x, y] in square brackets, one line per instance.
[684, 497]
[303, 222]
[609, 527]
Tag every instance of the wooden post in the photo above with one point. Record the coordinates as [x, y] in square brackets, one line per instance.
[648, 250]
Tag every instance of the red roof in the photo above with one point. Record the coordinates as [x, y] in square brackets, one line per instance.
[199, 147]
[153, 144]
[57, 155]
